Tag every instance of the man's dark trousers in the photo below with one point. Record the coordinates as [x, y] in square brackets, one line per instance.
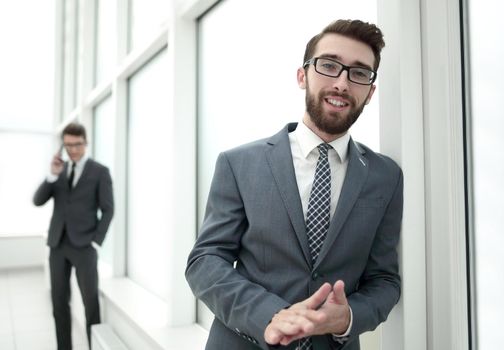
[61, 260]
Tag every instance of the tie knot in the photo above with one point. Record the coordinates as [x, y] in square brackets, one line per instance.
[323, 149]
[73, 165]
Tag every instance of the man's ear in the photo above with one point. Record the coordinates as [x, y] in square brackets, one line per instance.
[301, 78]
[370, 94]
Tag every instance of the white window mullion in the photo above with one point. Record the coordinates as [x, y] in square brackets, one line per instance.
[444, 177]
[401, 129]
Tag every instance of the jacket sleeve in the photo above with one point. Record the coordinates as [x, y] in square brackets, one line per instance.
[106, 205]
[380, 285]
[43, 193]
[241, 305]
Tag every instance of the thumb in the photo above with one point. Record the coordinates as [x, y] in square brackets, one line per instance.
[339, 296]
[319, 297]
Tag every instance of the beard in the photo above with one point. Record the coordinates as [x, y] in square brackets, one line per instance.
[333, 123]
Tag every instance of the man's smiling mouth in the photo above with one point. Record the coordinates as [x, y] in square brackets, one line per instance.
[336, 103]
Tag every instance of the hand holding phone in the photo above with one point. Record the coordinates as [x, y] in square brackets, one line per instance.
[57, 162]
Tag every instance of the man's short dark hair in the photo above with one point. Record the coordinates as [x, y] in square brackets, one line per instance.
[364, 32]
[74, 129]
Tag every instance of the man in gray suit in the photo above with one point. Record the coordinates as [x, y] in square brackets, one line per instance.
[81, 189]
[298, 246]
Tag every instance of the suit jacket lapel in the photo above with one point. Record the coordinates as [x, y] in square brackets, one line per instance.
[280, 161]
[85, 172]
[355, 178]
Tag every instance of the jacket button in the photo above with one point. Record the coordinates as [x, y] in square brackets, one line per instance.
[315, 275]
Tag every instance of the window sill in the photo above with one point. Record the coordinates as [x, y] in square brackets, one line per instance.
[23, 235]
[149, 315]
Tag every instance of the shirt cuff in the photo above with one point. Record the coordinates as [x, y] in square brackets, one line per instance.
[51, 178]
[341, 338]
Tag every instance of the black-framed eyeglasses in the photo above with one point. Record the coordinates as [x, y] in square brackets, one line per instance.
[74, 145]
[333, 68]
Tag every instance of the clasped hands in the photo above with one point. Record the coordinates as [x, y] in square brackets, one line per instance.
[325, 312]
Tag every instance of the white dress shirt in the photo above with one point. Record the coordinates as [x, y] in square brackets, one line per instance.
[305, 155]
[79, 167]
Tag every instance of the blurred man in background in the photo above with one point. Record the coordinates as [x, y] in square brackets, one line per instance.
[83, 208]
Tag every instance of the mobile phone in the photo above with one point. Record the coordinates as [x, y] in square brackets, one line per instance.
[60, 152]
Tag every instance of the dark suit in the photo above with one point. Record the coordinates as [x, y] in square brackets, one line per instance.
[74, 225]
[254, 216]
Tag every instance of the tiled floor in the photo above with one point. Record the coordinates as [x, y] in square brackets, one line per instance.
[26, 321]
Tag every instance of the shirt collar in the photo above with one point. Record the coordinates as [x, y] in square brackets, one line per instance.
[308, 141]
[80, 163]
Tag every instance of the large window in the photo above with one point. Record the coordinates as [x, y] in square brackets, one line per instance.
[146, 19]
[105, 40]
[149, 174]
[113, 77]
[487, 124]
[26, 118]
[247, 85]
[24, 163]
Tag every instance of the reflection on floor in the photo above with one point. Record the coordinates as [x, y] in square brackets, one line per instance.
[26, 321]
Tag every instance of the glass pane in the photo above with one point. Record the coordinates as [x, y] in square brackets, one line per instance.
[25, 162]
[69, 55]
[487, 55]
[27, 65]
[149, 175]
[147, 17]
[79, 44]
[26, 113]
[103, 148]
[243, 97]
[105, 39]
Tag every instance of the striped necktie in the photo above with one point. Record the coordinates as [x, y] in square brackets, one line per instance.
[318, 214]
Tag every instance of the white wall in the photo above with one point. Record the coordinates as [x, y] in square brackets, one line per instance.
[22, 251]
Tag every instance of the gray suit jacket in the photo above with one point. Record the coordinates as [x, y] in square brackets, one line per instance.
[77, 210]
[254, 217]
